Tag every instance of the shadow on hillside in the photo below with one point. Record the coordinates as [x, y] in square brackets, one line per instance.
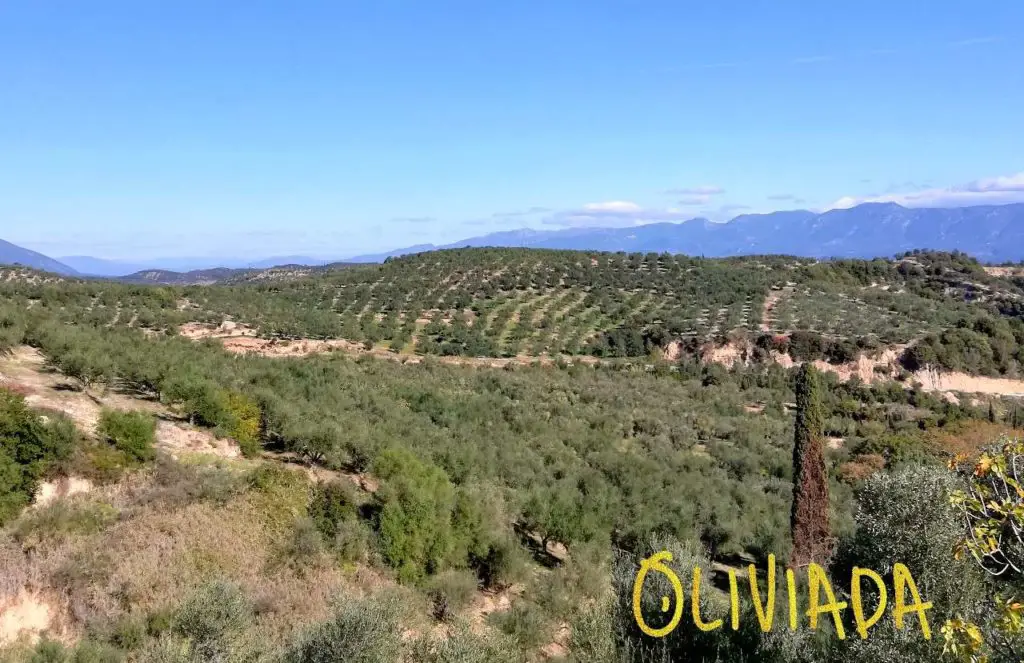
[540, 553]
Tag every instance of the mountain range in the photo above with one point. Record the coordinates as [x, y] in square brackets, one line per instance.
[991, 233]
[11, 254]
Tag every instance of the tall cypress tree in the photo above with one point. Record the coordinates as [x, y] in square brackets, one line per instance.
[809, 522]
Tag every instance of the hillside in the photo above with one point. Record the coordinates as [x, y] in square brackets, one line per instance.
[15, 255]
[195, 277]
[514, 302]
[259, 508]
[523, 303]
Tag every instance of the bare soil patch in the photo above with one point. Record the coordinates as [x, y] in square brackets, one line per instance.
[264, 347]
[27, 615]
[972, 384]
[770, 302]
[50, 491]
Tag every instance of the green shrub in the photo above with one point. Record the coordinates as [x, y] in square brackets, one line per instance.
[212, 618]
[352, 541]
[176, 484]
[64, 517]
[331, 504]
[525, 622]
[503, 564]
[304, 545]
[450, 591]
[464, 646]
[415, 518]
[906, 517]
[134, 433]
[361, 631]
[242, 418]
[89, 651]
[49, 651]
[29, 447]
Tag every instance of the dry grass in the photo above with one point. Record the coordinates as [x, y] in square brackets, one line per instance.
[968, 437]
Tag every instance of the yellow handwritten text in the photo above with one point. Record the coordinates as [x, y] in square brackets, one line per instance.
[821, 599]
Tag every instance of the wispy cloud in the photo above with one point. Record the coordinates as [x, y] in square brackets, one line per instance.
[697, 66]
[976, 41]
[702, 190]
[413, 219]
[829, 57]
[724, 212]
[782, 196]
[987, 191]
[875, 52]
[612, 214]
[813, 59]
[527, 212]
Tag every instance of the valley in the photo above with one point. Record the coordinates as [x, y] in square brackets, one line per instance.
[474, 447]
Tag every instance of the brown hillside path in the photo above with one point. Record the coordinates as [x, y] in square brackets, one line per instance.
[242, 340]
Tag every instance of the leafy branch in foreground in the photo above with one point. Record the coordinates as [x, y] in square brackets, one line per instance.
[993, 508]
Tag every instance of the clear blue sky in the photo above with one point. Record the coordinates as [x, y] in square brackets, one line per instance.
[140, 129]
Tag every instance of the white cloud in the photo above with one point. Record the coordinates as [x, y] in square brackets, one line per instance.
[988, 191]
[613, 206]
[702, 190]
[614, 213]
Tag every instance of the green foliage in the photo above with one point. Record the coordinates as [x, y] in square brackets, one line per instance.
[450, 591]
[525, 622]
[906, 517]
[464, 646]
[304, 545]
[29, 447]
[177, 484]
[414, 523]
[242, 418]
[61, 518]
[332, 503]
[212, 619]
[361, 631]
[133, 433]
[992, 504]
[809, 520]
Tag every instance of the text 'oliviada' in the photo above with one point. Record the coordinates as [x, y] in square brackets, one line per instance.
[821, 599]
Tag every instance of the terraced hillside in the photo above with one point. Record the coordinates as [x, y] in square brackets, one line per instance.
[536, 303]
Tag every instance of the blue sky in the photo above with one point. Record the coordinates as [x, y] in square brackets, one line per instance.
[142, 129]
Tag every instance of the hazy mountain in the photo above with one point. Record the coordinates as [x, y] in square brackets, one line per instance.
[11, 254]
[104, 267]
[418, 248]
[196, 277]
[992, 233]
[101, 267]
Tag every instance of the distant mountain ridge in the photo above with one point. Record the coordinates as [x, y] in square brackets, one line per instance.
[991, 233]
[11, 254]
[91, 266]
